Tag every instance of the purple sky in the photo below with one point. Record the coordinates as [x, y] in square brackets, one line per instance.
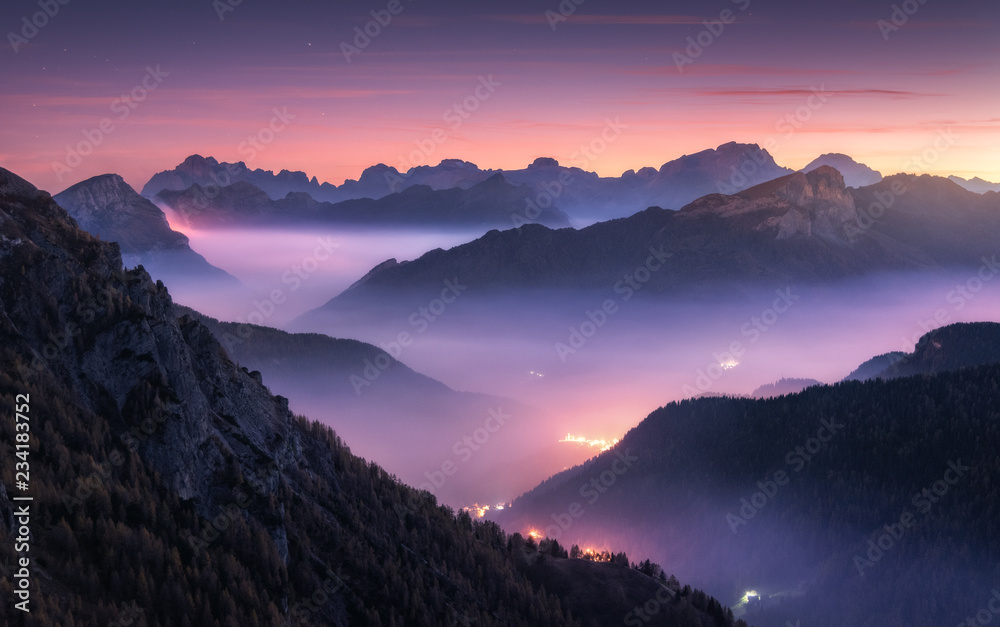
[218, 85]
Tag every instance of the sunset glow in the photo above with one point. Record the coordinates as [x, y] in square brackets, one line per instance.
[332, 280]
[884, 104]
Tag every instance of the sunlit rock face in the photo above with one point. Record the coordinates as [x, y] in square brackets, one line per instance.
[824, 197]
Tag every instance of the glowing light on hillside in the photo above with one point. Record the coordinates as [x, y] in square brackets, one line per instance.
[535, 534]
[750, 595]
[478, 511]
[603, 445]
[594, 555]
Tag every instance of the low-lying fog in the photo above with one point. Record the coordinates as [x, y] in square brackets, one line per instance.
[307, 267]
[606, 374]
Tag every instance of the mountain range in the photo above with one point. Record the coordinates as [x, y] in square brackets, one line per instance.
[171, 487]
[582, 195]
[799, 228]
[491, 203]
[976, 184]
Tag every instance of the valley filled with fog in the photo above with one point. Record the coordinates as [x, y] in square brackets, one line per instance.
[585, 363]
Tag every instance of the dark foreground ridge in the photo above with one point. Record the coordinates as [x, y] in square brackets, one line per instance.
[171, 488]
[882, 492]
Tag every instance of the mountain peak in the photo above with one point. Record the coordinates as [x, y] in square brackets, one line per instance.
[458, 163]
[108, 183]
[855, 174]
[544, 162]
[13, 185]
[976, 184]
[108, 207]
[823, 183]
[197, 163]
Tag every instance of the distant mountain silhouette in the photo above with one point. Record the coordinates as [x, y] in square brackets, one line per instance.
[784, 386]
[206, 171]
[855, 174]
[490, 203]
[948, 348]
[976, 184]
[800, 228]
[875, 366]
[581, 194]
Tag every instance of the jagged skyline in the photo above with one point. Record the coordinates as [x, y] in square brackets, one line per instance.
[305, 88]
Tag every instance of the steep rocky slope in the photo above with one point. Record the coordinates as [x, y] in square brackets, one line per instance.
[171, 488]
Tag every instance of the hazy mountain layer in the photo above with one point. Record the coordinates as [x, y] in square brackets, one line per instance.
[489, 204]
[582, 194]
[798, 229]
[383, 407]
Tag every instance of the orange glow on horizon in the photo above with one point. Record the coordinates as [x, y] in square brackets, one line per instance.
[603, 445]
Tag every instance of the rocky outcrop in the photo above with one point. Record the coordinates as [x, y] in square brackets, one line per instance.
[111, 335]
[796, 205]
[106, 206]
[823, 194]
